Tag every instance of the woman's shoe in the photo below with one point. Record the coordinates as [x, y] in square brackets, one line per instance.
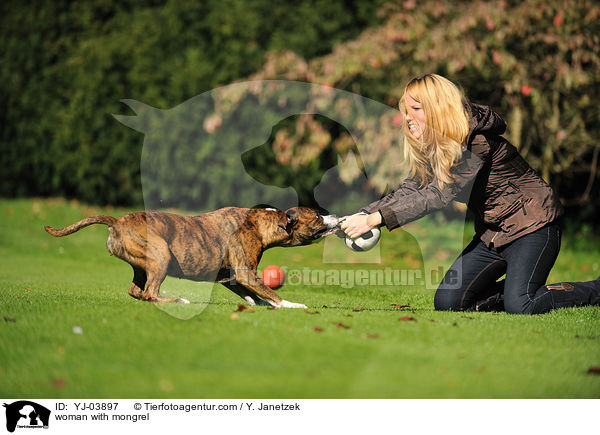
[493, 303]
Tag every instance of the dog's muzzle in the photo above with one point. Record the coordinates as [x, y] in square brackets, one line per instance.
[332, 222]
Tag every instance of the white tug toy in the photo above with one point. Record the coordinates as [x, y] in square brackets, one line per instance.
[365, 241]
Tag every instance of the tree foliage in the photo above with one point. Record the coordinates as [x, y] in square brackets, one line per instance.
[536, 62]
[65, 66]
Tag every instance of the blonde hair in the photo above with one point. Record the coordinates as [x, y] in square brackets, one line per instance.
[447, 125]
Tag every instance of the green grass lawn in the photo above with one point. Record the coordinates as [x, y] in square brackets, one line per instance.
[68, 328]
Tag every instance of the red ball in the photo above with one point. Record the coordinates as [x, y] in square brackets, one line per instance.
[273, 276]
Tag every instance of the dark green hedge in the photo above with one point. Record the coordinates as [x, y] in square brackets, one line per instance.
[65, 65]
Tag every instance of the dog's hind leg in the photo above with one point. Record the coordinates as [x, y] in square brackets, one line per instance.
[158, 257]
[139, 282]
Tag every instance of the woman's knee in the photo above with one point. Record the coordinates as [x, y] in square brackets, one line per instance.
[519, 302]
[447, 300]
[515, 308]
[527, 305]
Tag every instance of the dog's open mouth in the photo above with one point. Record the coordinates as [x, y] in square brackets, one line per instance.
[324, 232]
[332, 225]
[327, 232]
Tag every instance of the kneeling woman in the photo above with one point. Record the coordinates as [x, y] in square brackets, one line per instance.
[455, 151]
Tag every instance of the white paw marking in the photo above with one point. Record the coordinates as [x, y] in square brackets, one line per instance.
[183, 301]
[288, 304]
[250, 300]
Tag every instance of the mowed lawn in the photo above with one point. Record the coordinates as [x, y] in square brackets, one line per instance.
[68, 328]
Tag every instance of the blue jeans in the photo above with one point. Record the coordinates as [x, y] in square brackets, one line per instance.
[526, 262]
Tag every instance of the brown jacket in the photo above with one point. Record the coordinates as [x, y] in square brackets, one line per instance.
[507, 197]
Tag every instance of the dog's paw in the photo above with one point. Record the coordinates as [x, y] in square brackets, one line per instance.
[182, 301]
[250, 300]
[288, 304]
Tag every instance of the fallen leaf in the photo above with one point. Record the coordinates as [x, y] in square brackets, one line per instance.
[400, 306]
[369, 336]
[242, 307]
[358, 310]
[407, 318]
[318, 329]
[311, 312]
[432, 320]
[59, 383]
[341, 325]
[10, 319]
[61, 350]
[329, 306]
[347, 315]
[234, 316]
[288, 328]
[594, 370]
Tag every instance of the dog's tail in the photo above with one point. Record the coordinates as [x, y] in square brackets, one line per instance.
[59, 232]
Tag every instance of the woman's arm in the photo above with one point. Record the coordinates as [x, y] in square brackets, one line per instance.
[410, 203]
[399, 211]
[370, 216]
[408, 186]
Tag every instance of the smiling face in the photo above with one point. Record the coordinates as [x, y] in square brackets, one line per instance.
[415, 117]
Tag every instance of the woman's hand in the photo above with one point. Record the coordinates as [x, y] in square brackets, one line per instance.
[358, 224]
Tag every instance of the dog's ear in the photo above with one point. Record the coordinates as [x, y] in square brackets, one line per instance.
[291, 216]
[283, 222]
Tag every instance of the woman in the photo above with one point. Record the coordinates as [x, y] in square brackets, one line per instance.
[455, 151]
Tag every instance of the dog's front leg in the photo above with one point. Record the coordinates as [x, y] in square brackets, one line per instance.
[255, 286]
[243, 293]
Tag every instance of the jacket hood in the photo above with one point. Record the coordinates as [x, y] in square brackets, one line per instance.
[485, 121]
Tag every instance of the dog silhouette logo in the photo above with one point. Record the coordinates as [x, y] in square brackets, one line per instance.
[26, 414]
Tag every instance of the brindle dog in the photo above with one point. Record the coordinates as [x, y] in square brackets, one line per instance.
[222, 246]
